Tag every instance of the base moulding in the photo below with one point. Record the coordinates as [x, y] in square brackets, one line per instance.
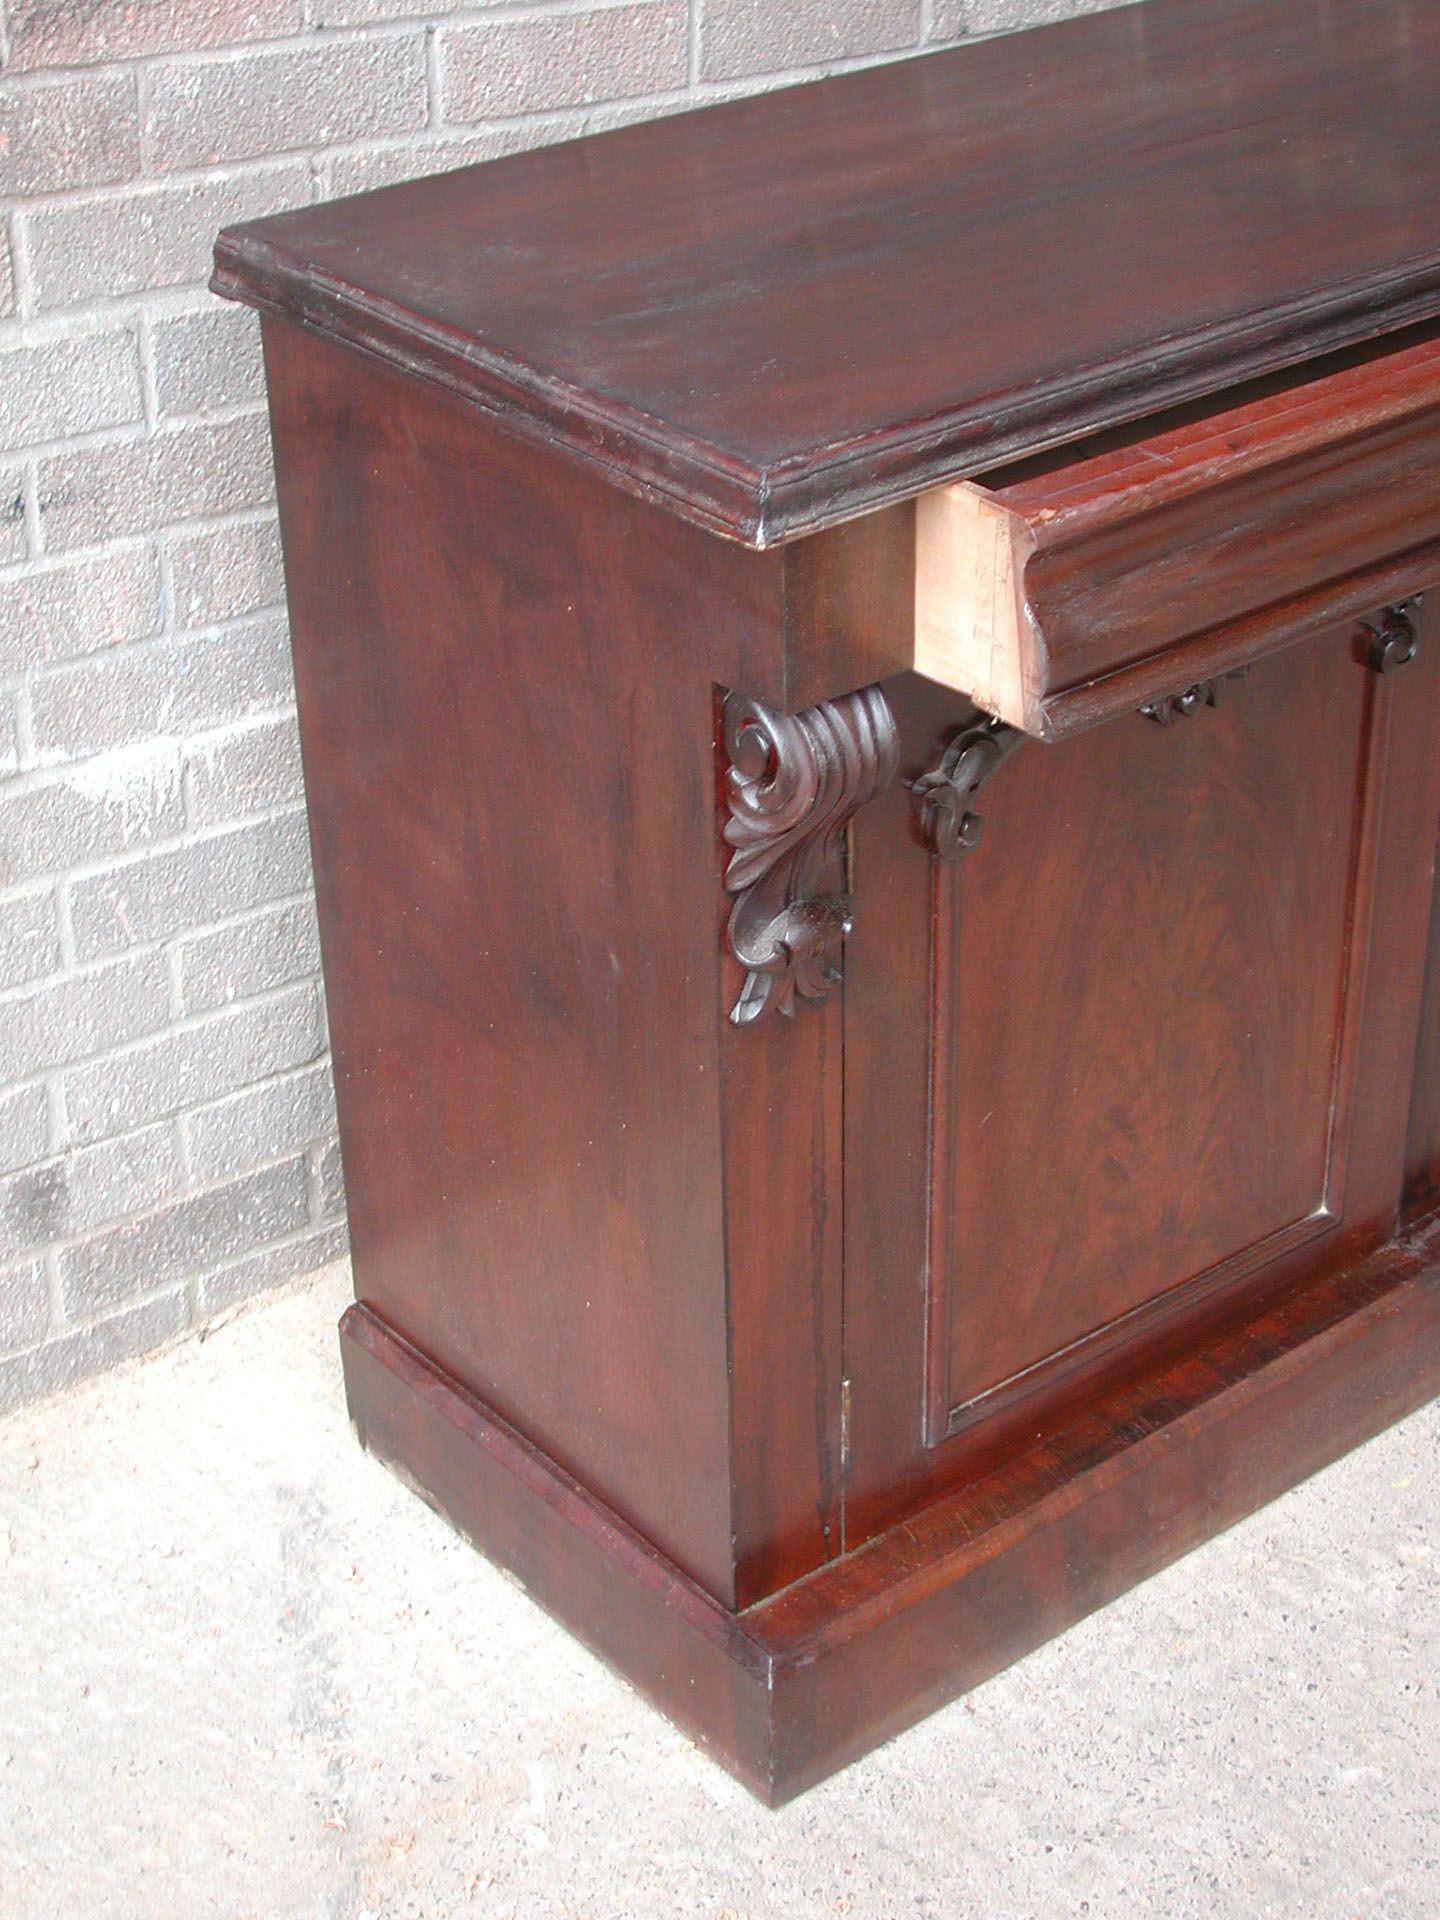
[799, 1685]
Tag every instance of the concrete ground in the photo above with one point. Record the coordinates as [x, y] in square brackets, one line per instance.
[244, 1674]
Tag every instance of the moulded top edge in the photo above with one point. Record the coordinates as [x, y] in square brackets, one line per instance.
[777, 313]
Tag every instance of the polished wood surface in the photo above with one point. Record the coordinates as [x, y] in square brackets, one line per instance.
[550, 1138]
[1422, 1166]
[778, 313]
[1170, 1009]
[841, 1185]
[1192, 895]
[508, 895]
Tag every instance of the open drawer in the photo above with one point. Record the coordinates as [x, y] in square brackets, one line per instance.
[1083, 584]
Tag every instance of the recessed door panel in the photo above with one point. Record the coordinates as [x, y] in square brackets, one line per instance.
[1138, 1019]
[1136, 1060]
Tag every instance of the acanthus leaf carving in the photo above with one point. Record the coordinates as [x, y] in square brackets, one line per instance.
[794, 783]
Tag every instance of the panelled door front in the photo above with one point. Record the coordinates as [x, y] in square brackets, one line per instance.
[1139, 1056]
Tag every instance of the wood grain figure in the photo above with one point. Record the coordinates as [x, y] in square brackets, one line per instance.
[869, 690]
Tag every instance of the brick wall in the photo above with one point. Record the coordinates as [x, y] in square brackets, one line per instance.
[166, 1110]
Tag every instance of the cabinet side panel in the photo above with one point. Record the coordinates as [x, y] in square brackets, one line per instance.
[507, 724]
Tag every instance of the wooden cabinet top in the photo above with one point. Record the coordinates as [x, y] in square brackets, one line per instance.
[777, 313]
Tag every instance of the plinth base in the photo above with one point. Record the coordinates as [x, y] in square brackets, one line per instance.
[801, 1684]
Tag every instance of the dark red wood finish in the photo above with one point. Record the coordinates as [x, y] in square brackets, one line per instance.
[813, 1367]
[1193, 547]
[509, 770]
[550, 1135]
[783, 1146]
[1422, 1164]
[1176, 983]
[781, 312]
[799, 1685]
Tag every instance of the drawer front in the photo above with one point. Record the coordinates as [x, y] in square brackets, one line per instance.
[1059, 597]
[1116, 1070]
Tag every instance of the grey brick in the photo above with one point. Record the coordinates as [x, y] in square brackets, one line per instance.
[184, 1237]
[165, 687]
[24, 1305]
[62, 387]
[226, 571]
[208, 879]
[627, 113]
[955, 18]
[193, 1064]
[119, 242]
[73, 33]
[7, 273]
[247, 770]
[13, 540]
[199, 113]
[205, 361]
[89, 1189]
[90, 1350]
[364, 13]
[24, 1127]
[84, 1013]
[189, 472]
[32, 1207]
[29, 936]
[130, 1174]
[332, 1181]
[370, 167]
[235, 962]
[76, 607]
[562, 60]
[272, 1267]
[117, 801]
[9, 733]
[75, 132]
[262, 1123]
[739, 38]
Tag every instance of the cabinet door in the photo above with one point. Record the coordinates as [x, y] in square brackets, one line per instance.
[1422, 1160]
[1137, 1060]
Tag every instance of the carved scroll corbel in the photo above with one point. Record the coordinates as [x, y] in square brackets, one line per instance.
[794, 783]
[1395, 637]
[943, 795]
[1201, 693]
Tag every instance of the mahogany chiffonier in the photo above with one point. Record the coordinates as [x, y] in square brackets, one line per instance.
[871, 746]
